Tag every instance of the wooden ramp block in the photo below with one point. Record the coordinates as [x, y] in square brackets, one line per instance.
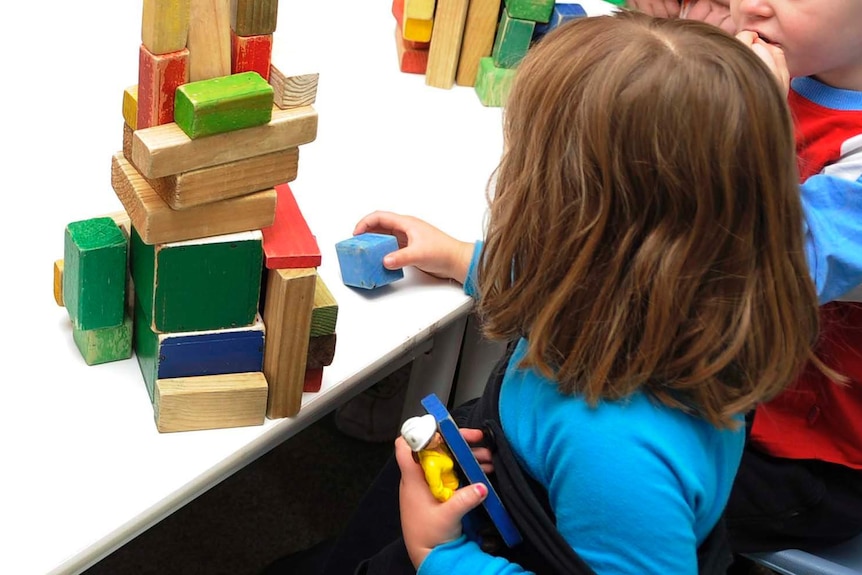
[229, 180]
[253, 17]
[165, 25]
[324, 314]
[159, 76]
[410, 60]
[130, 106]
[321, 351]
[195, 353]
[105, 344]
[251, 54]
[209, 39]
[445, 47]
[512, 41]
[167, 150]
[493, 83]
[535, 10]
[361, 260]
[200, 284]
[287, 316]
[479, 31]
[58, 283]
[157, 223]
[224, 104]
[293, 91]
[94, 275]
[210, 402]
[288, 242]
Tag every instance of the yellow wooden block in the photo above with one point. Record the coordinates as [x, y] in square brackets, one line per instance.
[130, 106]
[165, 25]
[417, 30]
[210, 401]
[419, 9]
[58, 282]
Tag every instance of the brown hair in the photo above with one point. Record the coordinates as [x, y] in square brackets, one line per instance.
[646, 227]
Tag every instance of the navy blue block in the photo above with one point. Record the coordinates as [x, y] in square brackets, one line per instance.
[211, 354]
[361, 260]
[561, 13]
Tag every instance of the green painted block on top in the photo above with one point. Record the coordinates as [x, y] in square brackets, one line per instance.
[535, 10]
[94, 274]
[223, 104]
[492, 83]
[105, 344]
[512, 41]
[200, 284]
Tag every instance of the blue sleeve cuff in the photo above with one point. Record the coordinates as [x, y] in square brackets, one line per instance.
[470, 281]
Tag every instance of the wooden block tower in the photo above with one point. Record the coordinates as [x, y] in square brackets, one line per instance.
[221, 262]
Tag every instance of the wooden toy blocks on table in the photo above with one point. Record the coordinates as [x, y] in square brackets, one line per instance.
[535, 10]
[493, 83]
[513, 40]
[105, 344]
[561, 14]
[361, 260]
[165, 25]
[288, 242]
[253, 17]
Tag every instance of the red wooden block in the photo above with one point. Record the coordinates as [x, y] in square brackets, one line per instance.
[410, 60]
[251, 54]
[159, 75]
[313, 380]
[288, 242]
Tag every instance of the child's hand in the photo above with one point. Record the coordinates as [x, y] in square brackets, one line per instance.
[425, 522]
[659, 8]
[772, 56]
[473, 437]
[422, 245]
[715, 12]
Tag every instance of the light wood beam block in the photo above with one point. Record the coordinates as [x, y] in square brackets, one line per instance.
[287, 316]
[251, 54]
[230, 180]
[165, 25]
[210, 402]
[157, 223]
[253, 17]
[221, 105]
[479, 31]
[159, 76]
[288, 242]
[209, 39]
[58, 282]
[167, 150]
[106, 344]
[445, 47]
[130, 106]
[293, 91]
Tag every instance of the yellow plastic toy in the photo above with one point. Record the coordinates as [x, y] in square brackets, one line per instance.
[430, 451]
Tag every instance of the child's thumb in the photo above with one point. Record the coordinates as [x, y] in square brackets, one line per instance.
[466, 498]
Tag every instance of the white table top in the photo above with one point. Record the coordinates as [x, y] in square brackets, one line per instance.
[85, 468]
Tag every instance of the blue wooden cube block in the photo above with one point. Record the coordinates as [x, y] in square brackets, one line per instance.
[361, 260]
[560, 14]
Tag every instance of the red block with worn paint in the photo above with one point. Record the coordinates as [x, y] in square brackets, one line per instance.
[159, 76]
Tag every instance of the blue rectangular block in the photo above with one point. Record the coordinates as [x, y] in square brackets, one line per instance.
[562, 13]
[361, 260]
[471, 468]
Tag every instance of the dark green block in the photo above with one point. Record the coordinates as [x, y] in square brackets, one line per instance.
[512, 40]
[535, 10]
[223, 104]
[105, 344]
[212, 283]
[493, 83]
[94, 275]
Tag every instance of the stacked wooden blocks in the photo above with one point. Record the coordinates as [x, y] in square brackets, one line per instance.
[231, 321]
[477, 43]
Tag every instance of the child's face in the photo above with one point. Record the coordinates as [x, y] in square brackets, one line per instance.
[819, 37]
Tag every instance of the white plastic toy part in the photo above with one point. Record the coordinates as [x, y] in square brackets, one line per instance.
[418, 431]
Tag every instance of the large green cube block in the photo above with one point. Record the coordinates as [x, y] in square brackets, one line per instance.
[200, 284]
[223, 104]
[512, 41]
[535, 10]
[105, 344]
[492, 83]
[94, 274]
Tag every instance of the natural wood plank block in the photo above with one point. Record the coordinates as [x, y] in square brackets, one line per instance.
[445, 47]
[313, 380]
[251, 54]
[229, 180]
[493, 83]
[210, 402]
[410, 60]
[293, 91]
[534, 10]
[130, 106]
[224, 104]
[479, 31]
[94, 274]
[419, 9]
[324, 313]
[106, 344]
[198, 284]
[165, 25]
[287, 316]
[321, 351]
[167, 150]
[253, 17]
[512, 41]
[157, 223]
[159, 75]
[288, 242]
[58, 282]
[209, 39]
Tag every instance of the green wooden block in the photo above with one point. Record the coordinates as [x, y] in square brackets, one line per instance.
[200, 284]
[324, 313]
[105, 344]
[94, 274]
[223, 104]
[493, 83]
[512, 40]
[535, 10]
